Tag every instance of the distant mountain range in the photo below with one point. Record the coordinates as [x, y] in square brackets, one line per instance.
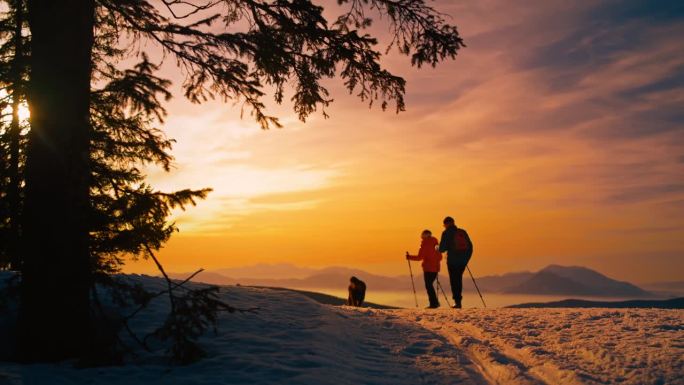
[674, 303]
[265, 270]
[553, 279]
[575, 280]
[327, 278]
[670, 288]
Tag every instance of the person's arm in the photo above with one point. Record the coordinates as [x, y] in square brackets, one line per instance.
[444, 242]
[434, 250]
[413, 257]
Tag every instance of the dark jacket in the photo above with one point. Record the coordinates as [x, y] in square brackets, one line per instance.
[447, 244]
[357, 292]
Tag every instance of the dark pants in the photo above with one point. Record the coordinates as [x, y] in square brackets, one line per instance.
[430, 287]
[456, 280]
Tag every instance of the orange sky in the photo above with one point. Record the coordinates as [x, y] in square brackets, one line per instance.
[555, 137]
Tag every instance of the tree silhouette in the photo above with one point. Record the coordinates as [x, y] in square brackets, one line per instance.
[56, 266]
[13, 75]
[128, 217]
[83, 144]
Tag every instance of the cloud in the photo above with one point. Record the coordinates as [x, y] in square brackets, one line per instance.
[236, 190]
[599, 86]
[213, 152]
[649, 192]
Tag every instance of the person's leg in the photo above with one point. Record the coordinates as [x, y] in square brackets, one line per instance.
[458, 293]
[430, 287]
[454, 282]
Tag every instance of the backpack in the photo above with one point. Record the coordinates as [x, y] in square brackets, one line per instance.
[462, 241]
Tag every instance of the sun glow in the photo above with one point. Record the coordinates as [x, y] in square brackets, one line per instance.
[24, 112]
[6, 113]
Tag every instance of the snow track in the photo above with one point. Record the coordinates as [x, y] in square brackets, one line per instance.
[498, 362]
[565, 346]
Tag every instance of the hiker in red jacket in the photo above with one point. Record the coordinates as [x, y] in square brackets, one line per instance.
[431, 259]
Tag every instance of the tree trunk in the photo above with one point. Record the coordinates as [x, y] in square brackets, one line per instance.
[13, 189]
[55, 317]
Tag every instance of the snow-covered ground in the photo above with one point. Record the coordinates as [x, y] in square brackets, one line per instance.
[295, 340]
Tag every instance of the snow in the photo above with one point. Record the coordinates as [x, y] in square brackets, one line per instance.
[566, 346]
[292, 339]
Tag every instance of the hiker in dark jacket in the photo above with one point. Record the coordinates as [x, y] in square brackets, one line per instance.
[357, 292]
[456, 243]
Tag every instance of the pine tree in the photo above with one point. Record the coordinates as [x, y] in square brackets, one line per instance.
[124, 139]
[13, 75]
[128, 217]
[80, 173]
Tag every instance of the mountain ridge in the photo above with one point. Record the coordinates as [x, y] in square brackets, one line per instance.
[552, 279]
[673, 303]
[576, 280]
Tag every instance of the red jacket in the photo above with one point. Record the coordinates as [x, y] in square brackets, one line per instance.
[431, 258]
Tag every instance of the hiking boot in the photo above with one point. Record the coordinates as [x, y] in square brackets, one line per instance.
[457, 305]
[433, 306]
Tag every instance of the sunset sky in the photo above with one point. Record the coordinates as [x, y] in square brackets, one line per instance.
[556, 136]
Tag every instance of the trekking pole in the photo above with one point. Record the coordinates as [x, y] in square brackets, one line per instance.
[415, 296]
[443, 293]
[477, 288]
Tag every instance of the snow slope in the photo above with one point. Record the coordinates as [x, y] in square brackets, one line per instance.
[295, 340]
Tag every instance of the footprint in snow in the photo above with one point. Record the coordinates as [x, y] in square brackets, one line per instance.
[417, 348]
[673, 328]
